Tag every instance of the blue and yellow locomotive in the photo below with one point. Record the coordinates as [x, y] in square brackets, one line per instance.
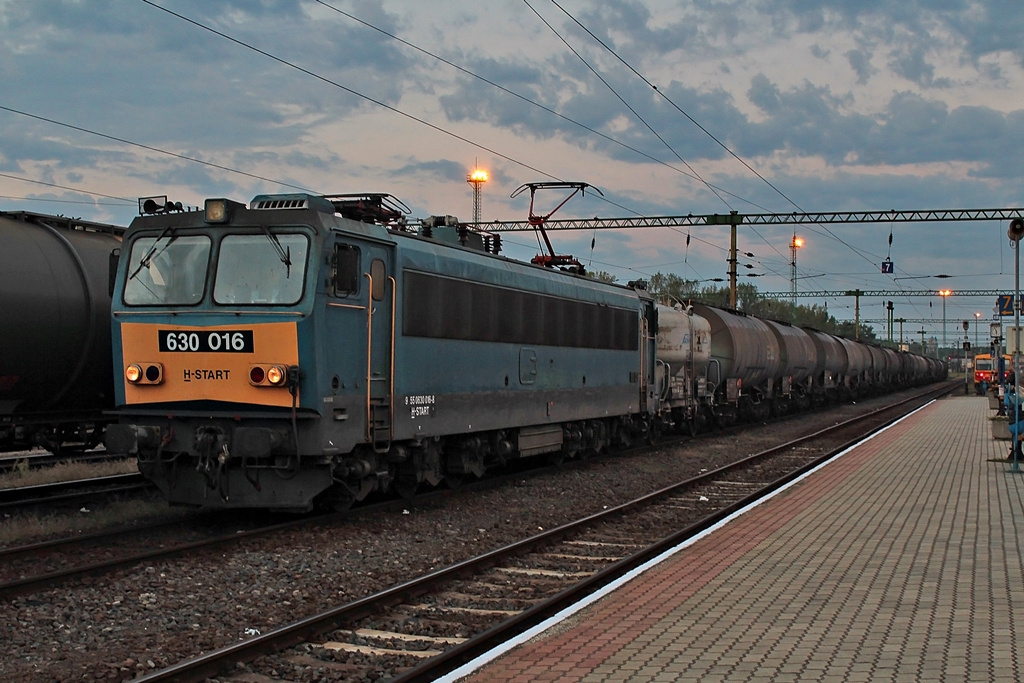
[314, 349]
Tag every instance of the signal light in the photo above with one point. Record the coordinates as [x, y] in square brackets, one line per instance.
[144, 373]
[268, 375]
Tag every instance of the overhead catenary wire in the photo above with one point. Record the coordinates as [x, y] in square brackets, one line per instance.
[534, 103]
[626, 104]
[149, 148]
[701, 127]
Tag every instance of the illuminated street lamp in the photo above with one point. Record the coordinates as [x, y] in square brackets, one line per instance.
[977, 324]
[477, 178]
[795, 244]
[944, 293]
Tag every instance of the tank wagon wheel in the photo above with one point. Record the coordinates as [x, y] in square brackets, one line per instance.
[706, 420]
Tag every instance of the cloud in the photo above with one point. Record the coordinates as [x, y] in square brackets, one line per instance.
[860, 62]
[839, 104]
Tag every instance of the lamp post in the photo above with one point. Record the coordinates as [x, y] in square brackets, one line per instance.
[795, 244]
[977, 324]
[477, 178]
[944, 293]
[967, 375]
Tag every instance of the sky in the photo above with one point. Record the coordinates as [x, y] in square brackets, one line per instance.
[665, 107]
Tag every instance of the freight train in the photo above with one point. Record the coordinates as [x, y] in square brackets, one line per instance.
[55, 377]
[304, 350]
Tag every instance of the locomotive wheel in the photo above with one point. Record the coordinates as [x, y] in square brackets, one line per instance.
[340, 498]
[405, 481]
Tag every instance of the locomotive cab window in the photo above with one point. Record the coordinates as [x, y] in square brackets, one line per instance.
[261, 268]
[167, 270]
[346, 270]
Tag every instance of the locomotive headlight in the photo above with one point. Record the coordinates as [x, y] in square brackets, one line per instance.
[144, 373]
[276, 375]
[216, 210]
[133, 373]
[268, 375]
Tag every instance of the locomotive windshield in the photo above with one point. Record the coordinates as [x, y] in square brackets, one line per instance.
[261, 269]
[167, 270]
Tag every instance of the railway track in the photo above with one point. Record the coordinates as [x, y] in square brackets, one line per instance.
[39, 459]
[34, 567]
[424, 628]
[30, 568]
[67, 493]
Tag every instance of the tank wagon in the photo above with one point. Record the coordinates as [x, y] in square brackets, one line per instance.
[759, 368]
[55, 378]
[306, 349]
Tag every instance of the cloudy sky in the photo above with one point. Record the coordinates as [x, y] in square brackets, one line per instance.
[760, 106]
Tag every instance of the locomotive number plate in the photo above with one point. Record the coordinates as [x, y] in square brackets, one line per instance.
[220, 341]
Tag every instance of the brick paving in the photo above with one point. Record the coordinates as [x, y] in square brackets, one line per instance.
[900, 561]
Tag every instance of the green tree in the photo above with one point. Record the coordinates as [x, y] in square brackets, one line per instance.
[602, 275]
[668, 286]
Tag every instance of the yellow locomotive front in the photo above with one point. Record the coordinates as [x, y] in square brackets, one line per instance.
[209, 313]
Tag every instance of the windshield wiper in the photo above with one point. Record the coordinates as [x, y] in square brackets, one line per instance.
[148, 257]
[284, 254]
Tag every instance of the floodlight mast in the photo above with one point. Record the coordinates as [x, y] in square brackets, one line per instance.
[551, 259]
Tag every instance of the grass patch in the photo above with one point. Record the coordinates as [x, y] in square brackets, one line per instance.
[21, 475]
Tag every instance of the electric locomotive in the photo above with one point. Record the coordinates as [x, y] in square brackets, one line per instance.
[316, 349]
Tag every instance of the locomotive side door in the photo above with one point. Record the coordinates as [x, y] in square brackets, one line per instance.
[360, 344]
[380, 345]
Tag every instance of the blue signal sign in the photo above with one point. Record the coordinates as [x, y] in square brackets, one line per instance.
[887, 266]
[1005, 304]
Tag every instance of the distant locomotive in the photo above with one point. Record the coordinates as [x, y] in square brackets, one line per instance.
[55, 377]
[316, 349]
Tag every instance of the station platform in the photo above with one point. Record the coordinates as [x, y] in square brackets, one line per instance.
[900, 560]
